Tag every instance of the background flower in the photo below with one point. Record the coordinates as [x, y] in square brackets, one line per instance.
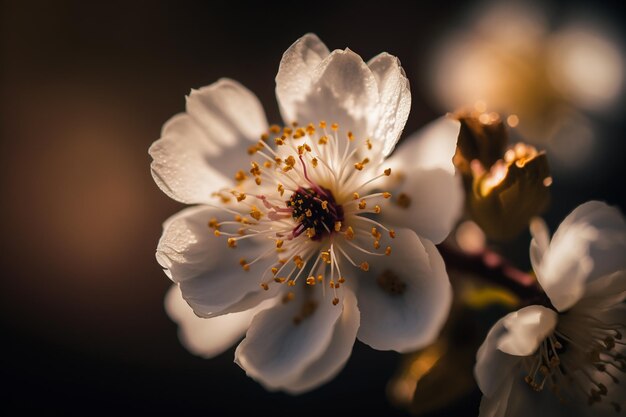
[565, 356]
[553, 72]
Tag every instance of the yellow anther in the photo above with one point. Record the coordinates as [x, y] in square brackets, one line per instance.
[275, 129]
[349, 233]
[217, 233]
[279, 141]
[310, 280]
[387, 172]
[241, 196]
[274, 271]
[388, 250]
[287, 130]
[368, 143]
[231, 242]
[240, 176]
[279, 243]
[265, 137]
[355, 196]
[213, 224]
[364, 266]
[331, 284]
[376, 244]
[280, 280]
[265, 286]
[377, 209]
[314, 162]
[341, 280]
[288, 297]
[350, 136]
[392, 233]
[281, 189]
[320, 278]
[256, 169]
[386, 194]
[256, 213]
[310, 129]
[362, 204]
[334, 126]
[267, 164]
[290, 161]
[310, 232]
[246, 267]
[325, 205]
[241, 231]
[337, 226]
[325, 257]
[322, 124]
[299, 133]
[291, 283]
[335, 301]
[323, 140]
[257, 180]
[282, 261]
[278, 161]
[242, 261]
[252, 149]
[375, 233]
[361, 165]
[308, 213]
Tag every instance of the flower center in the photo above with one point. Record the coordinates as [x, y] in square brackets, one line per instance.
[316, 212]
[301, 232]
[577, 358]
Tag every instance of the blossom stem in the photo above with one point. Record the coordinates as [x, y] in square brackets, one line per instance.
[493, 268]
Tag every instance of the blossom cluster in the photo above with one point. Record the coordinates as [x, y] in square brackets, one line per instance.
[307, 235]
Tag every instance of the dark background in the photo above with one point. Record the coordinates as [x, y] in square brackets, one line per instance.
[84, 90]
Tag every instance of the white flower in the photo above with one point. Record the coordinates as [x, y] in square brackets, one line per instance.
[564, 357]
[312, 215]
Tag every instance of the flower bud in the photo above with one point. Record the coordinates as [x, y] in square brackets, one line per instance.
[503, 199]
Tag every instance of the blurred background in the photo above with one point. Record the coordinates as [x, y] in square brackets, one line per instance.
[84, 90]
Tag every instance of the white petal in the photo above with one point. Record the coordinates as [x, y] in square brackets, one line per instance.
[277, 350]
[493, 367]
[343, 90]
[336, 355]
[208, 271]
[296, 72]
[526, 329]
[433, 146]
[205, 337]
[496, 404]
[590, 243]
[516, 399]
[540, 242]
[414, 318]
[199, 151]
[436, 202]
[604, 292]
[395, 99]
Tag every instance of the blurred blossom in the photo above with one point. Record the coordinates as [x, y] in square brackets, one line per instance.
[470, 237]
[311, 216]
[511, 59]
[564, 356]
